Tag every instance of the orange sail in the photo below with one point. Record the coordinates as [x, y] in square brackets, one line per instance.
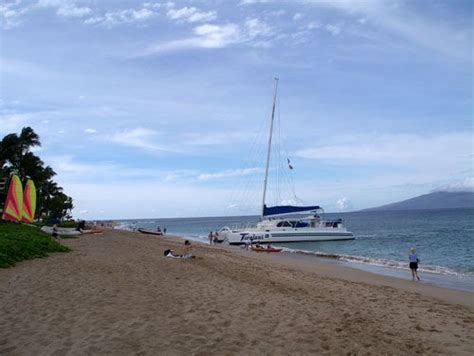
[29, 202]
[13, 209]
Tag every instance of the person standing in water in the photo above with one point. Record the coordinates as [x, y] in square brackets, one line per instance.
[413, 257]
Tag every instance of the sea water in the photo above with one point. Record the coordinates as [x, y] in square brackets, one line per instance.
[444, 239]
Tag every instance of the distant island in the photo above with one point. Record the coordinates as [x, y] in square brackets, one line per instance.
[435, 200]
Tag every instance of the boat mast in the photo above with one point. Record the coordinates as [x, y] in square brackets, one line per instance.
[269, 147]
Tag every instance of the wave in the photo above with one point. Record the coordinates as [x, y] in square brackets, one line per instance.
[379, 262]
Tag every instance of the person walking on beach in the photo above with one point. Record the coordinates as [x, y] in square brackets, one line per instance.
[413, 257]
[211, 237]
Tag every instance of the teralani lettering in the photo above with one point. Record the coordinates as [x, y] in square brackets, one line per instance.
[252, 237]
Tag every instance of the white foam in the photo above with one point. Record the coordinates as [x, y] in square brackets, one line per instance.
[379, 262]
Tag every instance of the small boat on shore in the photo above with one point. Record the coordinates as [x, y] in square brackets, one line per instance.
[149, 232]
[266, 249]
[70, 231]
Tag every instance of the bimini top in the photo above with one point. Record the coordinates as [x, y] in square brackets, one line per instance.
[287, 209]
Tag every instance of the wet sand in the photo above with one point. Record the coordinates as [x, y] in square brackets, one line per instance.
[117, 294]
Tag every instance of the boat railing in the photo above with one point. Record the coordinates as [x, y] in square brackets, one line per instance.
[242, 226]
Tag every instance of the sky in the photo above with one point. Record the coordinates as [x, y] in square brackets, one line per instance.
[154, 109]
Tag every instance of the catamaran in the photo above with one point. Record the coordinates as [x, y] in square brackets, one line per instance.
[286, 223]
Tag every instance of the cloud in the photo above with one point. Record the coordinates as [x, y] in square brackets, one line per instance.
[298, 16]
[119, 17]
[343, 204]
[404, 20]
[439, 155]
[90, 131]
[333, 29]
[253, 31]
[277, 13]
[66, 8]
[466, 185]
[313, 25]
[230, 173]
[12, 123]
[67, 165]
[11, 13]
[190, 14]
[140, 138]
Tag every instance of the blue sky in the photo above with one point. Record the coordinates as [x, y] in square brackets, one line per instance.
[159, 109]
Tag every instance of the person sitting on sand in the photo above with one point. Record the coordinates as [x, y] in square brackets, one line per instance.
[413, 257]
[171, 253]
[187, 250]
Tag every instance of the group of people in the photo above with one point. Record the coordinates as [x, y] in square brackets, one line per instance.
[213, 237]
[158, 229]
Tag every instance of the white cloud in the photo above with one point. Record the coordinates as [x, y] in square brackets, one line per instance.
[400, 18]
[313, 25]
[441, 155]
[215, 36]
[66, 8]
[67, 164]
[127, 16]
[253, 32]
[257, 28]
[90, 131]
[466, 185]
[191, 14]
[298, 16]
[141, 138]
[158, 5]
[343, 204]
[333, 29]
[11, 13]
[230, 173]
[277, 13]
[11, 123]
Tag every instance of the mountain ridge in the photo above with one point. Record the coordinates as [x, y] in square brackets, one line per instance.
[434, 200]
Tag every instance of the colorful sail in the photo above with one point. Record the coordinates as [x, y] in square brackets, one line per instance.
[29, 202]
[13, 209]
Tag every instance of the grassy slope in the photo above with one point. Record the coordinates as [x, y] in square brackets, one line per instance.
[21, 242]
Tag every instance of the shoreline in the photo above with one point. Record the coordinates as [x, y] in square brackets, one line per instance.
[117, 293]
[337, 269]
[452, 282]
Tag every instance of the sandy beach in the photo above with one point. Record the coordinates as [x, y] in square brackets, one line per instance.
[117, 294]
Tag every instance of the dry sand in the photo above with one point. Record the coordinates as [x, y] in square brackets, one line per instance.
[117, 294]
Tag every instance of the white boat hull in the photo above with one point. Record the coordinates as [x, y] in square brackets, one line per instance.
[239, 237]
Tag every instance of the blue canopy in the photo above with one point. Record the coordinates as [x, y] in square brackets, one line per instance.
[287, 209]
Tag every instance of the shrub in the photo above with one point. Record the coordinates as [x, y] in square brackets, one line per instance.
[20, 242]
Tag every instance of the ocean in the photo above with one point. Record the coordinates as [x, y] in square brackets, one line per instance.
[444, 239]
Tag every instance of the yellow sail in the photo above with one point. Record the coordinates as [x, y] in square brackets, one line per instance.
[13, 209]
[29, 202]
